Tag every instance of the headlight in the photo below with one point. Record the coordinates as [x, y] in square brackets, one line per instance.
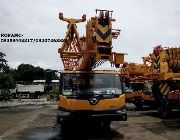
[121, 111]
[67, 92]
[119, 92]
[62, 113]
[111, 92]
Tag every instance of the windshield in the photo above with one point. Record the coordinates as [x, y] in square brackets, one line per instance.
[91, 83]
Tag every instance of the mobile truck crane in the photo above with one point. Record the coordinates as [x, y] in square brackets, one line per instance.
[85, 93]
[160, 74]
[136, 80]
[165, 73]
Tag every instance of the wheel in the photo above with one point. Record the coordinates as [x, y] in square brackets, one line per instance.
[165, 108]
[58, 120]
[162, 111]
[106, 125]
[64, 127]
[139, 105]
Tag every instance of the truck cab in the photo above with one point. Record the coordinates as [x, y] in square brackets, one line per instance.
[91, 95]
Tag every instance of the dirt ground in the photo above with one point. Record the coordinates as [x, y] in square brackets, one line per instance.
[38, 122]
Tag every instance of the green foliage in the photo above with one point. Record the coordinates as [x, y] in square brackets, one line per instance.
[28, 73]
[39, 73]
[25, 72]
[5, 95]
[3, 62]
[53, 94]
[6, 79]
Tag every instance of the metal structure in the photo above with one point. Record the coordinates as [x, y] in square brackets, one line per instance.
[86, 53]
[135, 76]
[87, 93]
[165, 73]
[161, 69]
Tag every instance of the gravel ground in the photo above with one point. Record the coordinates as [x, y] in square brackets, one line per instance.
[15, 102]
[38, 122]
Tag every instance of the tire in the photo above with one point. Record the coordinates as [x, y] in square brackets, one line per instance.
[106, 125]
[163, 111]
[64, 127]
[165, 108]
[58, 120]
[139, 105]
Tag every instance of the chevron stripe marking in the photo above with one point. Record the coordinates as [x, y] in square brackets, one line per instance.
[164, 88]
[166, 91]
[107, 40]
[103, 29]
[103, 36]
[156, 62]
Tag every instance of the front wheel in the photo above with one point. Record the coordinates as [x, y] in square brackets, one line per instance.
[65, 127]
[58, 120]
[164, 111]
[139, 105]
[106, 125]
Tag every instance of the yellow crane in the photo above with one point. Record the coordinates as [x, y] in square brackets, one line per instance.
[165, 73]
[160, 74]
[85, 93]
[136, 79]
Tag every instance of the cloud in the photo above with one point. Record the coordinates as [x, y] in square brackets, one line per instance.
[144, 24]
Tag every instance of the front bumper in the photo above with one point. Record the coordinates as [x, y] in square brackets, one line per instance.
[112, 115]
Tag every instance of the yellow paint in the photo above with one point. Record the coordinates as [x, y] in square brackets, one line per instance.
[174, 95]
[107, 40]
[133, 95]
[105, 104]
[130, 95]
[164, 89]
[147, 97]
[103, 29]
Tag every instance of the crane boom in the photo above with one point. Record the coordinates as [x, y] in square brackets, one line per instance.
[86, 53]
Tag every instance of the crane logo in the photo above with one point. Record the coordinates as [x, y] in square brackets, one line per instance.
[93, 101]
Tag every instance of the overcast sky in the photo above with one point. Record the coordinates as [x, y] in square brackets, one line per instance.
[144, 24]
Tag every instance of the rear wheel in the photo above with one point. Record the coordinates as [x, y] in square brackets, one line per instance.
[138, 104]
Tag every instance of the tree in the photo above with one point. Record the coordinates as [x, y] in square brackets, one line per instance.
[26, 73]
[39, 73]
[6, 79]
